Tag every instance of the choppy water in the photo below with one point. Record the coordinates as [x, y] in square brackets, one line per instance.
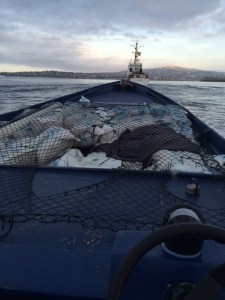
[204, 99]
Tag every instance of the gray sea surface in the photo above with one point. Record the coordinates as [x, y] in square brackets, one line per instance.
[205, 99]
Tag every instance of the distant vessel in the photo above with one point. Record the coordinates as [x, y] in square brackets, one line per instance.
[135, 71]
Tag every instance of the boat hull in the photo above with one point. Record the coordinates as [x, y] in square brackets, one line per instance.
[68, 228]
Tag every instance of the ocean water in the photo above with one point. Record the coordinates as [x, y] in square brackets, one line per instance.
[204, 99]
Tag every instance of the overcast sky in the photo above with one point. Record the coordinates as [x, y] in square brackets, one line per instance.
[96, 35]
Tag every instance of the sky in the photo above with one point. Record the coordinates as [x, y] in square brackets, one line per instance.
[97, 35]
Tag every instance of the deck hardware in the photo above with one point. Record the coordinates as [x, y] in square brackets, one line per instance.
[193, 187]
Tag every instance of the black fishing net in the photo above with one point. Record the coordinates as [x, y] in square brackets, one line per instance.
[145, 144]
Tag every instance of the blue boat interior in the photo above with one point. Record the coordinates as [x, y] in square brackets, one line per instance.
[65, 231]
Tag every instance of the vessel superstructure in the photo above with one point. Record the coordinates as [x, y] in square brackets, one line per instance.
[135, 70]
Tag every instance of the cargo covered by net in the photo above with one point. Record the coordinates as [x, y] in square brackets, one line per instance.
[150, 137]
[147, 139]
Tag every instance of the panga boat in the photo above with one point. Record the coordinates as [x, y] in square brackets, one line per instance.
[115, 192]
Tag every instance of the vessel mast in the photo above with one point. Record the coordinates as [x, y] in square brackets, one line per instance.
[136, 54]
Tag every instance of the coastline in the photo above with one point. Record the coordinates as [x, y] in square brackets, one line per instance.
[156, 74]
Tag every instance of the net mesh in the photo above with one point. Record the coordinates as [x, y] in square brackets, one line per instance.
[135, 196]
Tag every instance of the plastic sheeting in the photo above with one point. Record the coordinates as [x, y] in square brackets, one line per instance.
[74, 158]
[41, 150]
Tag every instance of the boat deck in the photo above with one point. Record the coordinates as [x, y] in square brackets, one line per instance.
[120, 97]
[125, 199]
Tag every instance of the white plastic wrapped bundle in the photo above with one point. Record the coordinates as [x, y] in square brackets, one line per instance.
[74, 158]
[41, 123]
[47, 120]
[41, 150]
[17, 152]
[177, 161]
[135, 116]
[108, 134]
[81, 122]
[103, 114]
[131, 122]
[158, 110]
[84, 100]
[123, 111]
[52, 143]
[173, 116]
[179, 116]
[220, 158]
[12, 130]
[95, 135]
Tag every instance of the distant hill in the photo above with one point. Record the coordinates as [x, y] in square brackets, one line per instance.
[165, 73]
[178, 73]
[61, 74]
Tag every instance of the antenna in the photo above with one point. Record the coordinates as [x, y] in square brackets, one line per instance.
[137, 53]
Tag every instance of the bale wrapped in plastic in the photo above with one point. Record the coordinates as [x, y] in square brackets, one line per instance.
[39, 124]
[108, 134]
[18, 153]
[74, 158]
[178, 161]
[81, 122]
[131, 122]
[13, 129]
[220, 158]
[53, 143]
[41, 150]
[173, 116]
[47, 120]
[179, 116]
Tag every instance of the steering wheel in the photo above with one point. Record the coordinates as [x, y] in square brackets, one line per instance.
[213, 282]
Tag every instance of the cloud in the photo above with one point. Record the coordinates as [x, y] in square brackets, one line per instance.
[59, 34]
[97, 16]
